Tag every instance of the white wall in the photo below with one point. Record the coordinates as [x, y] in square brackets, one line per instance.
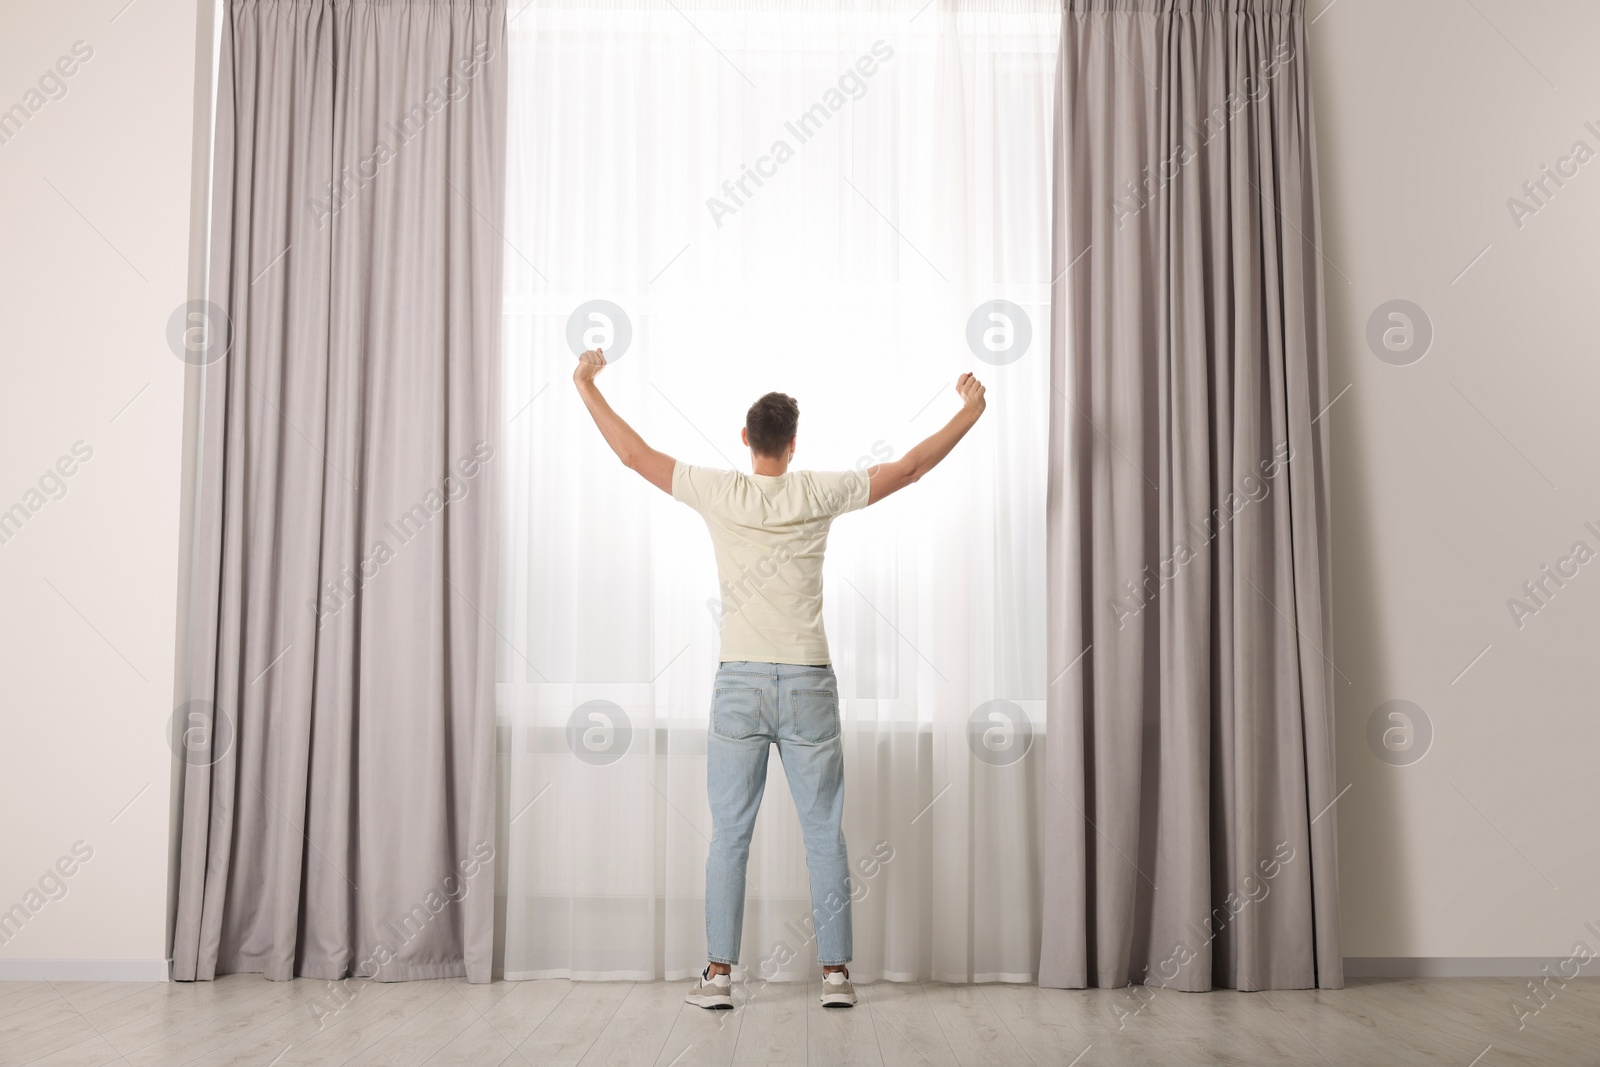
[94, 212]
[1458, 476]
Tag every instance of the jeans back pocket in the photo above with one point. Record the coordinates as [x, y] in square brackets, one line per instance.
[816, 715]
[736, 712]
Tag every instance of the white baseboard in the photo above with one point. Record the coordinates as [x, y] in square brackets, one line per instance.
[12, 970]
[1462, 966]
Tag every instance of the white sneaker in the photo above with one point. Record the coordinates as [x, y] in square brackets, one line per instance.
[713, 991]
[837, 992]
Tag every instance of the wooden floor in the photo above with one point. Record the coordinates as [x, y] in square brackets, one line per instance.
[244, 1019]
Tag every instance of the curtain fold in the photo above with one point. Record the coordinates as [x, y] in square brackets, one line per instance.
[337, 804]
[1190, 828]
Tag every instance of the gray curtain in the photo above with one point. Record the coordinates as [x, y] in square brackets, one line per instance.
[337, 738]
[1190, 748]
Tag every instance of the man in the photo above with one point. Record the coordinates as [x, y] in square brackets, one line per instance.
[775, 684]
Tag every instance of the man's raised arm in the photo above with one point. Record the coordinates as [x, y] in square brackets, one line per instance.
[895, 475]
[654, 467]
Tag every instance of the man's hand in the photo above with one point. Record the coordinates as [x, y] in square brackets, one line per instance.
[590, 364]
[971, 392]
[895, 475]
[655, 467]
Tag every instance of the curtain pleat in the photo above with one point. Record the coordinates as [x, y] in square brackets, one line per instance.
[1190, 833]
[338, 796]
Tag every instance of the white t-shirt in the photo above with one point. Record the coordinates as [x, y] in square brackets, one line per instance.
[769, 532]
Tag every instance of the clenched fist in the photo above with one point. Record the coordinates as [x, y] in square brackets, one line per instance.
[971, 391]
[590, 364]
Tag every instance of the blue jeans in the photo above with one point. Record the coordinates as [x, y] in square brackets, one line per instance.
[796, 707]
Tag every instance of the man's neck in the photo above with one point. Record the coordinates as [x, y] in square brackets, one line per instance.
[769, 465]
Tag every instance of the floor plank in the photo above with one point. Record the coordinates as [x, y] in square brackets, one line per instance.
[974, 1029]
[48, 1029]
[567, 1033]
[637, 1032]
[698, 1036]
[846, 1036]
[25, 996]
[904, 1022]
[94, 1052]
[367, 1023]
[247, 1021]
[1033, 1021]
[317, 1007]
[773, 1029]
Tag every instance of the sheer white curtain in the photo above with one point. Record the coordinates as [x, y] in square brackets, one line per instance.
[813, 198]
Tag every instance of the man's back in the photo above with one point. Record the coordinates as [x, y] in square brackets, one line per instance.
[770, 533]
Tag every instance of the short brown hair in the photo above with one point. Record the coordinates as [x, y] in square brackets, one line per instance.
[771, 423]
